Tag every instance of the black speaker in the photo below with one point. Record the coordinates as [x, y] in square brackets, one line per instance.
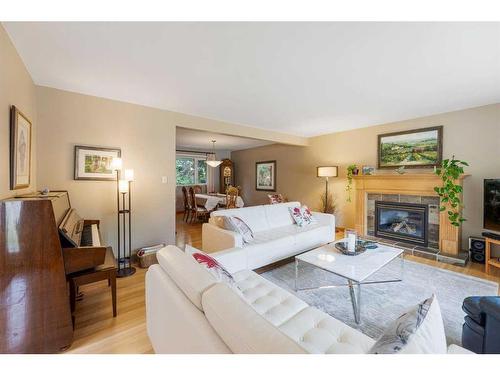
[476, 247]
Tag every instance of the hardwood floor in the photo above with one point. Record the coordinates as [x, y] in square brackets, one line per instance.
[98, 332]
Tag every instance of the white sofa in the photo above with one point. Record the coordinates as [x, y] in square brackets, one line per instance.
[276, 235]
[187, 311]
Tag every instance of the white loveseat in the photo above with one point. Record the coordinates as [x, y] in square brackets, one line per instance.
[187, 311]
[276, 235]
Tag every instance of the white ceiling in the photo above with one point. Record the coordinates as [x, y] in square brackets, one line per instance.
[200, 140]
[299, 78]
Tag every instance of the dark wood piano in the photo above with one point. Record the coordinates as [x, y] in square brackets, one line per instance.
[42, 240]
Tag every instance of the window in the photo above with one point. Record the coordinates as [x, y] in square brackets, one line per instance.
[191, 170]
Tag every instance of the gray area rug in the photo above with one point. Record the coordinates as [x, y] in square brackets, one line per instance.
[382, 303]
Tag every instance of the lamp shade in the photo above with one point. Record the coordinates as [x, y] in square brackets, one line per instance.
[123, 186]
[116, 164]
[332, 171]
[129, 174]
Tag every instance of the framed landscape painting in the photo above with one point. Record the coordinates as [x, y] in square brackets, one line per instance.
[20, 149]
[417, 148]
[265, 175]
[94, 163]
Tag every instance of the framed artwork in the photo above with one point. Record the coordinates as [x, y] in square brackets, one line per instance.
[367, 170]
[20, 149]
[265, 175]
[417, 148]
[94, 163]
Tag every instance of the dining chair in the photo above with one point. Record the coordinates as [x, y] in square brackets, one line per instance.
[231, 197]
[197, 189]
[187, 206]
[196, 211]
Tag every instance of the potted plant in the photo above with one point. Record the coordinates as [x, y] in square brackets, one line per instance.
[450, 192]
[352, 170]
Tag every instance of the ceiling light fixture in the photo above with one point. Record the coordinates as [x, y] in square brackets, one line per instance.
[211, 159]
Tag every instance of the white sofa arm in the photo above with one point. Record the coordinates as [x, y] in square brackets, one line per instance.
[216, 239]
[326, 219]
[233, 260]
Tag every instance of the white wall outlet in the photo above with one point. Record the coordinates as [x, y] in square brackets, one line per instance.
[164, 179]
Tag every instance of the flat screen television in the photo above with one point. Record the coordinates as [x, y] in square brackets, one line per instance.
[492, 205]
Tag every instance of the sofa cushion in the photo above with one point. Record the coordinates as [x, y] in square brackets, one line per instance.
[190, 277]
[270, 246]
[273, 303]
[241, 327]
[310, 328]
[312, 235]
[418, 331]
[278, 215]
[254, 217]
[320, 333]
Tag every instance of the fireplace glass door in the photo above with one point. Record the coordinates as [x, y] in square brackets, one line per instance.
[406, 222]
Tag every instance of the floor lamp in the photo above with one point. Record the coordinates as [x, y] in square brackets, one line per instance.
[326, 172]
[123, 188]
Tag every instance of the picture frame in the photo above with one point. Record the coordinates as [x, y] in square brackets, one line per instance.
[20, 149]
[417, 148]
[367, 170]
[265, 175]
[94, 163]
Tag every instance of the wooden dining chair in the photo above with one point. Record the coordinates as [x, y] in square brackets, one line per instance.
[187, 206]
[231, 197]
[197, 189]
[196, 211]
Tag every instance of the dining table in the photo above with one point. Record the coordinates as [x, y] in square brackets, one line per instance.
[212, 201]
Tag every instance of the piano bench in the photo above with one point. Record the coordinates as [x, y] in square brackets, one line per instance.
[106, 271]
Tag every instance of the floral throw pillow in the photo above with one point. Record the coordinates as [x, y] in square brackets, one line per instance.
[302, 215]
[275, 198]
[297, 216]
[307, 215]
[235, 224]
[212, 265]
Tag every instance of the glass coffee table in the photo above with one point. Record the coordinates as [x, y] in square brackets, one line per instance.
[357, 270]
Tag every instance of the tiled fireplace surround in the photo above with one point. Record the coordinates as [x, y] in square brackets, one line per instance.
[431, 202]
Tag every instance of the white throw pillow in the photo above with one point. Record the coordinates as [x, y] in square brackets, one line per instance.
[418, 331]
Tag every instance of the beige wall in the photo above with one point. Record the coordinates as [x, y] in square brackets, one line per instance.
[472, 135]
[146, 137]
[147, 140]
[16, 88]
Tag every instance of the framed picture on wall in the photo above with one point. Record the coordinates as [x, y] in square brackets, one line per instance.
[417, 148]
[20, 149]
[94, 163]
[265, 175]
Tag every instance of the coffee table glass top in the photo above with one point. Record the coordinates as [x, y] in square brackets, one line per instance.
[357, 268]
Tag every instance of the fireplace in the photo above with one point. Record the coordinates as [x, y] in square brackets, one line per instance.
[405, 222]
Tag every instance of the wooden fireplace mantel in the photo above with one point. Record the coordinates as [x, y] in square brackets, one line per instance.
[409, 184]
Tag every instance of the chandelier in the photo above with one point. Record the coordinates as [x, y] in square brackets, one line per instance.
[211, 159]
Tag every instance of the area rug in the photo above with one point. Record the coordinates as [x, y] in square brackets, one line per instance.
[382, 303]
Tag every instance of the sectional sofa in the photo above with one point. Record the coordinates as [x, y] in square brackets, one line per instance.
[188, 311]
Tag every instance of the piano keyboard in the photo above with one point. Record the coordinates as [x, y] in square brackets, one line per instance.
[90, 236]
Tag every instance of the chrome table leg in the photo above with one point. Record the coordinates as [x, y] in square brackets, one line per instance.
[355, 299]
